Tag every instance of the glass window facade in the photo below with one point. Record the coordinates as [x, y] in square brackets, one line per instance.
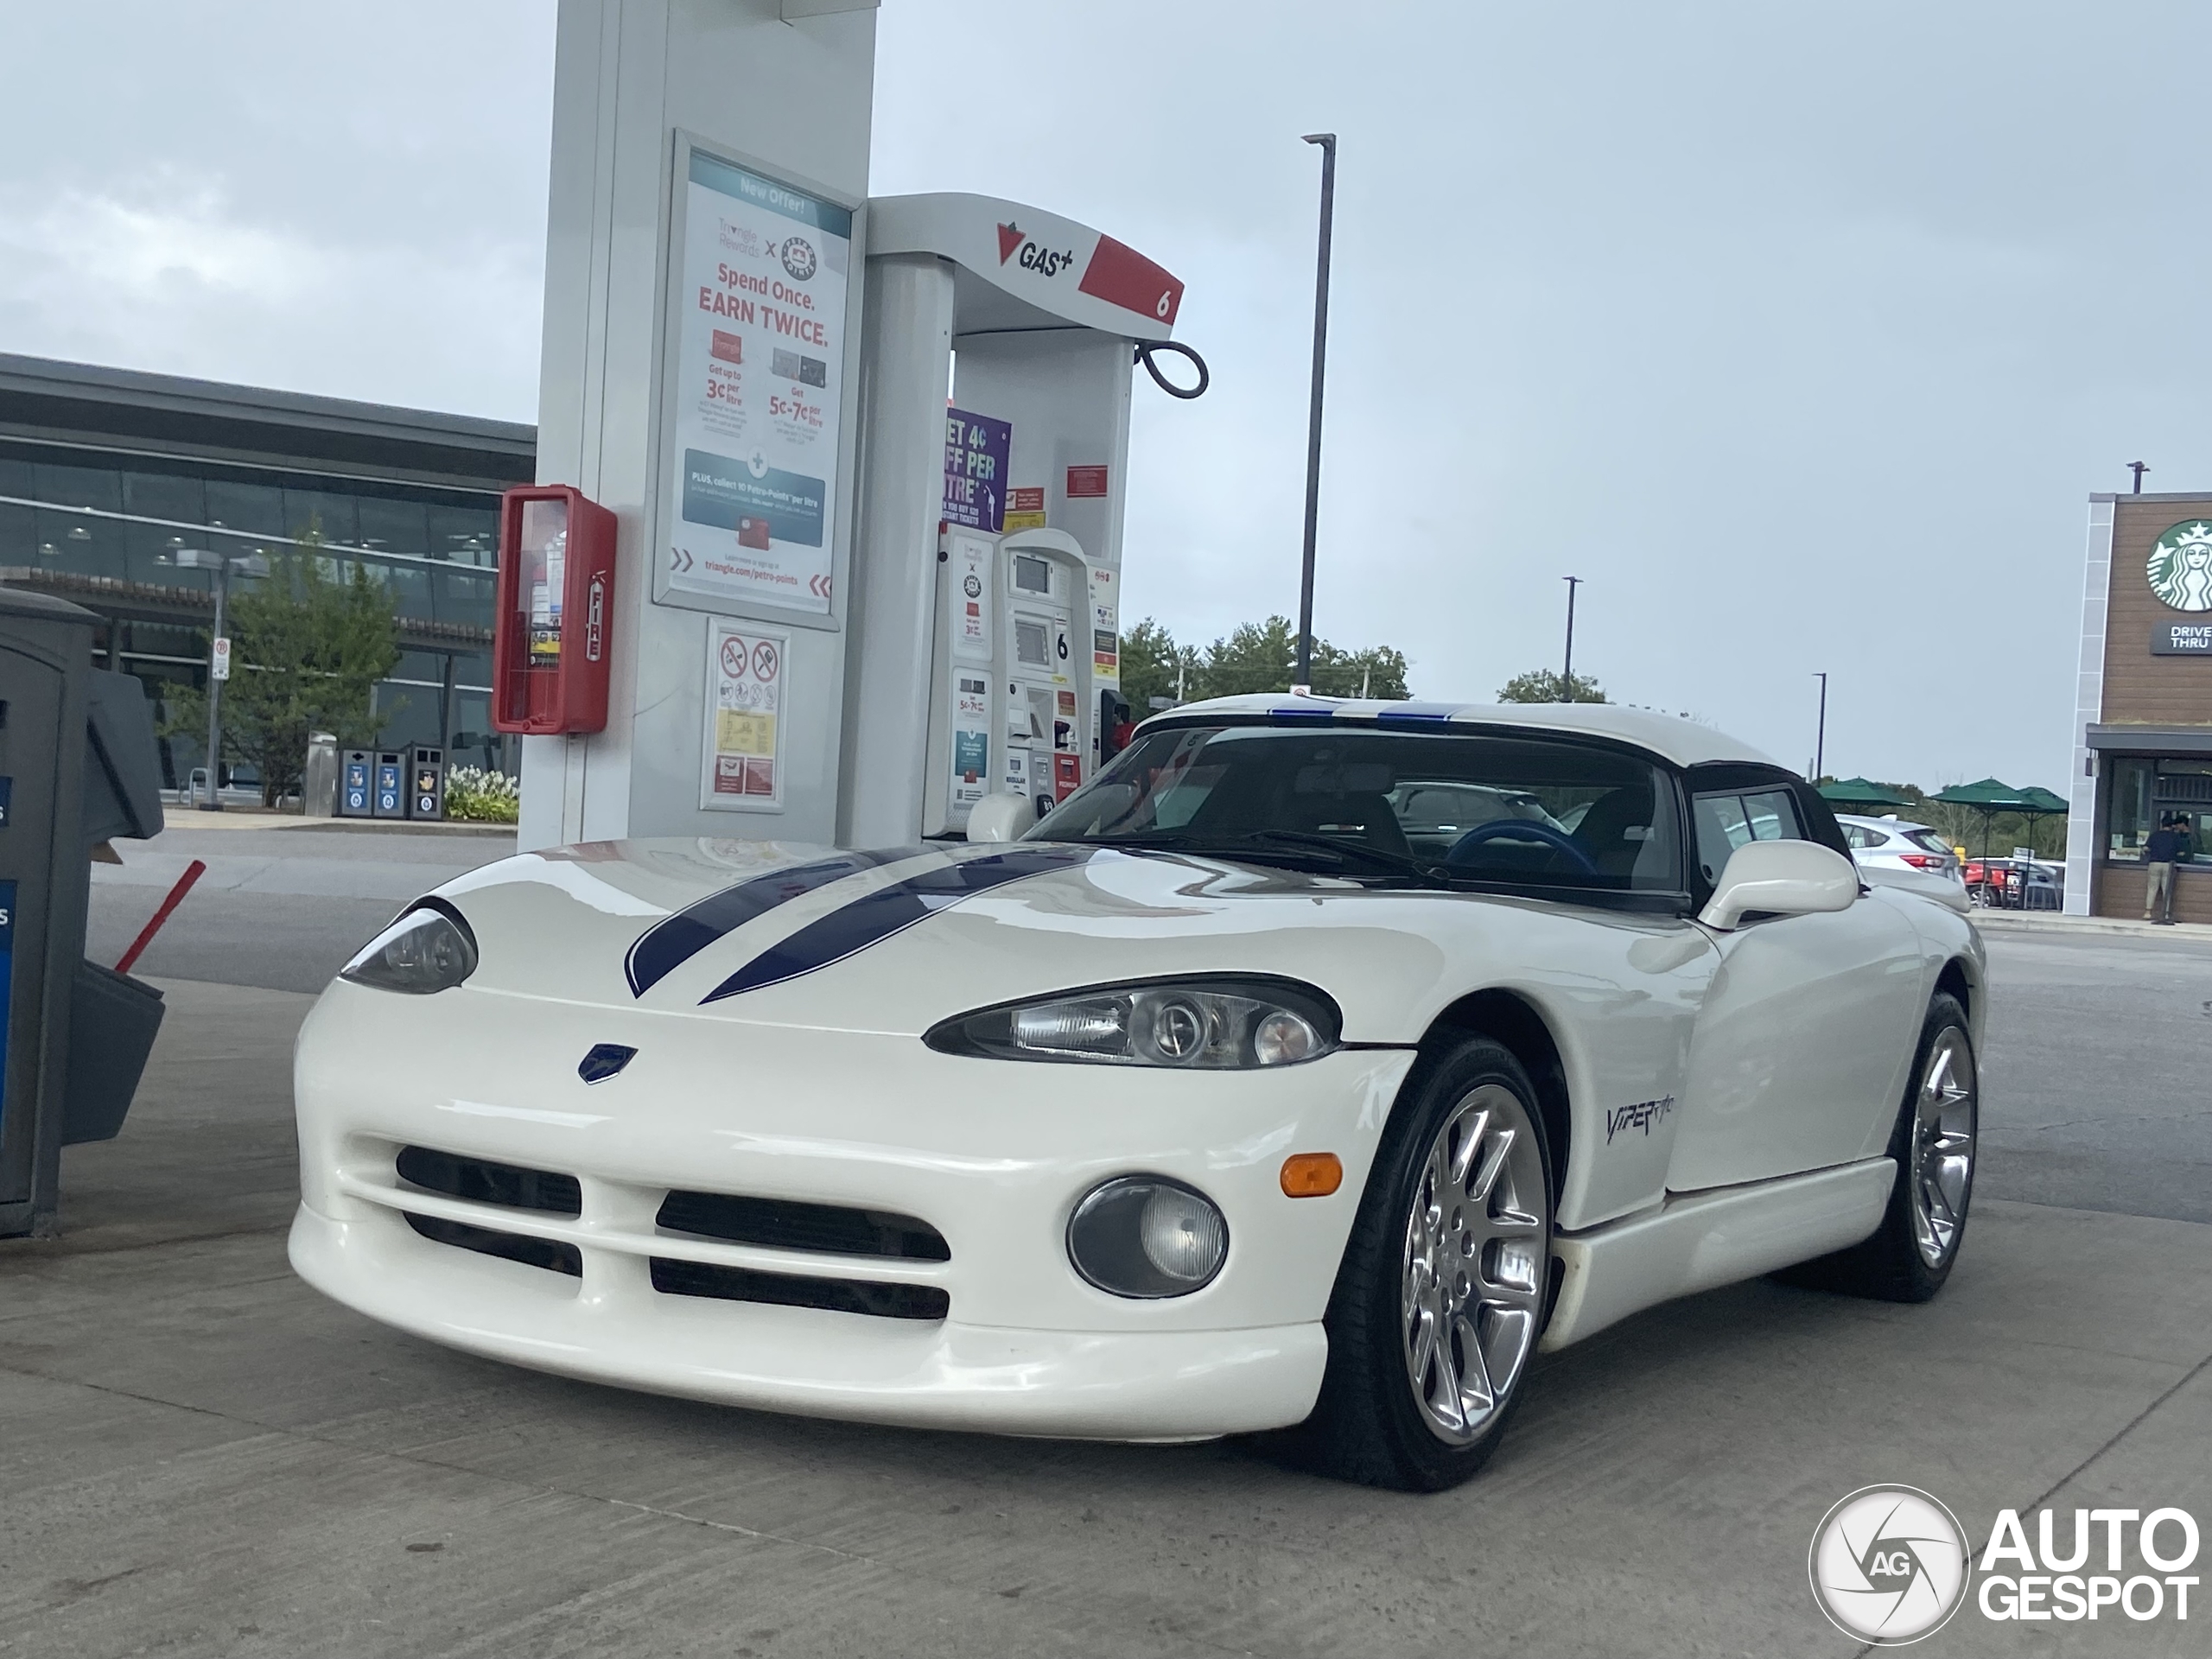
[434, 548]
[2146, 792]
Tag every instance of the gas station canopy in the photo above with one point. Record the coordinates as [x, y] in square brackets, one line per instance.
[1020, 268]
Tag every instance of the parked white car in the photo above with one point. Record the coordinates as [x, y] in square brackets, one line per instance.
[1217, 1103]
[1892, 843]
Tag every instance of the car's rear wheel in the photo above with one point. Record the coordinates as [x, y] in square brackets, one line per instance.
[1934, 1144]
[1442, 1292]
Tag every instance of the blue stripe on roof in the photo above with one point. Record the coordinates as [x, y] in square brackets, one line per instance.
[875, 917]
[674, 940]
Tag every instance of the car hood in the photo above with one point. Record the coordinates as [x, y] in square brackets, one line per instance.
[895, 941]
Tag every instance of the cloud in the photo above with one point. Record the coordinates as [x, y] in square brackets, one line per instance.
[167, 274]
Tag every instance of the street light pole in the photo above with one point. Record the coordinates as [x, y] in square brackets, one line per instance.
[1567, 669]
[1304, 675]
[1821, 732]
[215, 801]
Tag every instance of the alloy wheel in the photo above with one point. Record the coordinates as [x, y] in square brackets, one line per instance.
[1474, 1278]
[1943, 1151]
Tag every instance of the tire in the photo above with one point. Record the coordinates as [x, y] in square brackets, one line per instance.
[1911, 1254]
[1398, 1410]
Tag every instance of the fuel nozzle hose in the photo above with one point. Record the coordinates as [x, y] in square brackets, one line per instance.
[1147, 348]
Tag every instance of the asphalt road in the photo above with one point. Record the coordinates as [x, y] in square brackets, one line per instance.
[2095, 1079]
[279, 909]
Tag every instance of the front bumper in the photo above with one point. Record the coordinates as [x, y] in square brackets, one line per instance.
[993, 1155]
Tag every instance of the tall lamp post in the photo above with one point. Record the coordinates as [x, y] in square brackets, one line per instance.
[1567, 669]
[218, 650]
[1304, 676]
[1820, 732]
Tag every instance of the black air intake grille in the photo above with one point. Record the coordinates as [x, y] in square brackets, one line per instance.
[675, 1278]
[546, 1253]
[482, 1182]
[784, 1224]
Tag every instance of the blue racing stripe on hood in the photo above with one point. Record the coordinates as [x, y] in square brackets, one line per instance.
[875, 917]
[674, 940]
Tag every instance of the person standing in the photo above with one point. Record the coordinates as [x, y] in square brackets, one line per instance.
[2158, 855]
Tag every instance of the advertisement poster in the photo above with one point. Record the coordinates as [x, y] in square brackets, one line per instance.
[761, 355]
[745, 673]
[969, 558]
[975, 452]
[971, 740]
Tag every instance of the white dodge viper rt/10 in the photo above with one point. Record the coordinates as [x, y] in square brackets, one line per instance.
[1306, 1071]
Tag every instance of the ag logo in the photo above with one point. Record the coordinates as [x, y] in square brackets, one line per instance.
[799, 257]
[2181, 567]
[1889, 1565]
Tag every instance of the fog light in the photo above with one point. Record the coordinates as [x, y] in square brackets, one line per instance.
[1145, 1236]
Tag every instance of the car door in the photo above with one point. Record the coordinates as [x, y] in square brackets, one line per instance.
[1799, 1054]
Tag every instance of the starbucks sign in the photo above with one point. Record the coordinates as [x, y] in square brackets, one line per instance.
[2181, 567]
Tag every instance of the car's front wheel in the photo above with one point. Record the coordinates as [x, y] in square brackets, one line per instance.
[1934, 1143]
[1442, 1295]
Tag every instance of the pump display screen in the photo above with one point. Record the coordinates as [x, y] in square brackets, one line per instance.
[1032, 576]
[1029, 644]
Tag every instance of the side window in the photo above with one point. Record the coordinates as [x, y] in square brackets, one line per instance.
[1727, 820]
[1773, 815]
[1856, 835]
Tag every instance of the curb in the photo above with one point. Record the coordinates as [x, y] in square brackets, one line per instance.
[2109, 926]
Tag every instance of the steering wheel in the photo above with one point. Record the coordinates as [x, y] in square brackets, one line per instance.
[1525, 829]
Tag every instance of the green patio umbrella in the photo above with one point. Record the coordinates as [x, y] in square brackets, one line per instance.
[1857, 792]
[1990, 797]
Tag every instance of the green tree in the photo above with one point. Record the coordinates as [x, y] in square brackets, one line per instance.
[308, 645]
[1377, 672]
[1542, 685]
[1257, 657]
[1150, 659]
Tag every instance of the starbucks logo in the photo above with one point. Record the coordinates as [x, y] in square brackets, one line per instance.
[2181, 567]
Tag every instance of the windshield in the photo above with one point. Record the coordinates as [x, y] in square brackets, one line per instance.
[1511, 811]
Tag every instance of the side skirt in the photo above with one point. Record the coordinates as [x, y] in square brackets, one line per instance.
[1703, 1240]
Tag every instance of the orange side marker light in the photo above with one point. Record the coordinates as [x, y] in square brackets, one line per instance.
[1311, 1174]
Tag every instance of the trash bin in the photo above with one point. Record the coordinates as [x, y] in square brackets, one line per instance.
[426, 775]
[356, 782]
[318, 777]
[391, 800]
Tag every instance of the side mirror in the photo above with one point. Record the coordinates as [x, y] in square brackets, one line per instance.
[1781, 878]
[1000, 817]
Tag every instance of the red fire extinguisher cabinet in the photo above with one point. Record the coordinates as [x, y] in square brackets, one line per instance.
[551, 637]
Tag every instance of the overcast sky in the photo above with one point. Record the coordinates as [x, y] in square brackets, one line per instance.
[1801, 331]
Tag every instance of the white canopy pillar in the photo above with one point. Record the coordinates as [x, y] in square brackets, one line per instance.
[637, 84]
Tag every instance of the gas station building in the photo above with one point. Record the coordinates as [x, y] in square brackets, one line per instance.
[106, 473]
[2143, 721]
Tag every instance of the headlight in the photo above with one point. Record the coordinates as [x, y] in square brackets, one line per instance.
[1213, 1024]
[424, 951]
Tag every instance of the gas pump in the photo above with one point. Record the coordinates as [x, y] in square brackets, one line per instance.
[1004, 639]
[1013, 678]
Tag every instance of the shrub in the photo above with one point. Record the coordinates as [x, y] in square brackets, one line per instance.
[475, 796]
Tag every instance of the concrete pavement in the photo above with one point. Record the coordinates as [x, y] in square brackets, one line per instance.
[202, 1455]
